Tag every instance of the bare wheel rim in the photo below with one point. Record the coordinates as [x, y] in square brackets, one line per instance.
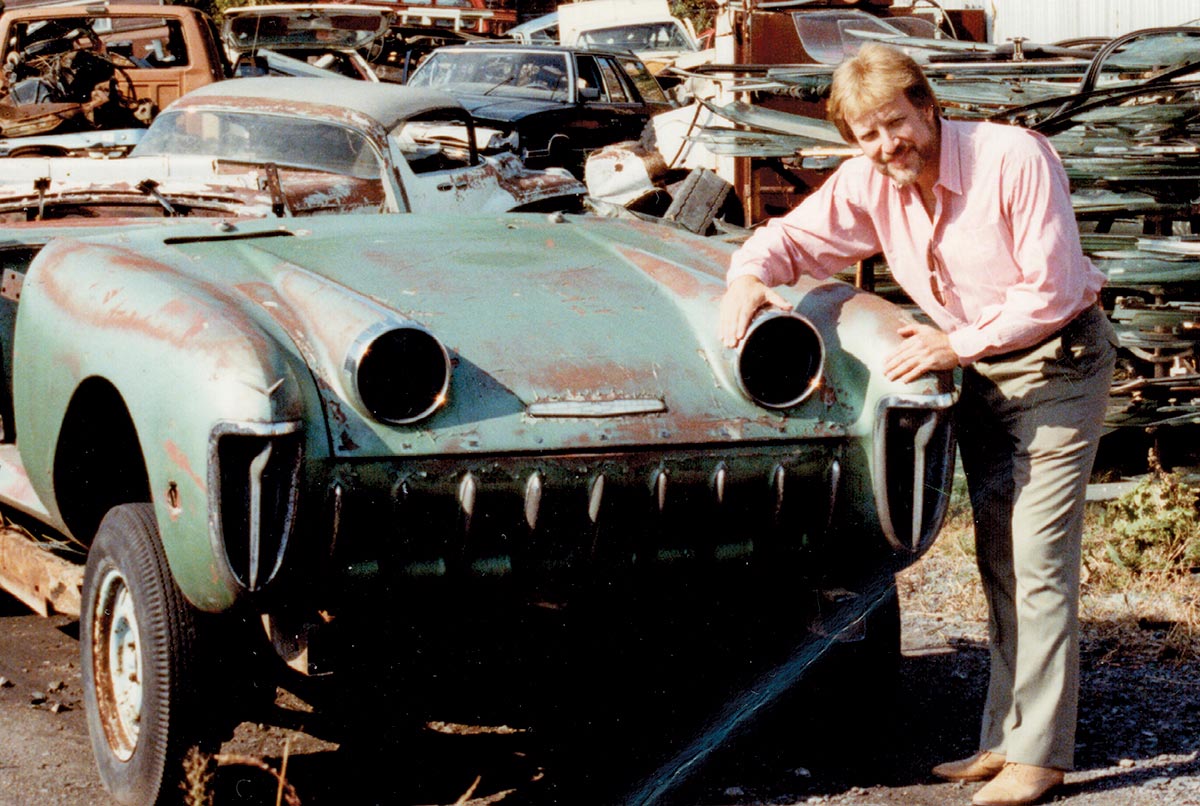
[117, 666]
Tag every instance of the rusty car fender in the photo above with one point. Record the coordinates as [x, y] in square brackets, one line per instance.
[110, 317]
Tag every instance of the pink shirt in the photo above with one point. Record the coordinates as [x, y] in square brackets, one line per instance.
[1003, 243]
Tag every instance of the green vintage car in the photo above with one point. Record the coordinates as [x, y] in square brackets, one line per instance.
[261, 423]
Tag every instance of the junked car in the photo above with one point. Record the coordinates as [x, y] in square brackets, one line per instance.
[290, 147]
[335, 37]
[256, 422]
[555, 104]
[78, 68]
[645, 27]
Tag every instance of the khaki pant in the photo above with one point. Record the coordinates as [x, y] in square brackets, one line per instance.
[1028, 424]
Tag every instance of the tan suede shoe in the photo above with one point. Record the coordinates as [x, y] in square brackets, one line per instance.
[982, 766]
[1018, 785]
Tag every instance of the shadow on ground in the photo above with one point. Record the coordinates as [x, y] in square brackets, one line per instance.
[598, 742]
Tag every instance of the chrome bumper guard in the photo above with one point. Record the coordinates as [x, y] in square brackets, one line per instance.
[913, 467]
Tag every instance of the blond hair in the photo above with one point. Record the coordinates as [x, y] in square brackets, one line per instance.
[872, 77]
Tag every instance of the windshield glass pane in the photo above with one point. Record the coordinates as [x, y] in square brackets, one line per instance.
[648, 36]
[644, 80]
[1155, 52]
[513, 74]
[349, 29]
[257, 138]
[822, 33]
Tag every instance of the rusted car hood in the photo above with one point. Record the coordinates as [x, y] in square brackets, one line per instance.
[531, 323]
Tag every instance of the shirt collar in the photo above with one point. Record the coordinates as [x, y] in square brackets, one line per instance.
[950, 159]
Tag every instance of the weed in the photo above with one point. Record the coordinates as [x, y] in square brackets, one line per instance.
[197, 778]
[1141, 590]
[1152, 529]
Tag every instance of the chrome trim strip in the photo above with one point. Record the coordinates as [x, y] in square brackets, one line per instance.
[920, 443]
[939, 400]
[596, 408]
[257, 465]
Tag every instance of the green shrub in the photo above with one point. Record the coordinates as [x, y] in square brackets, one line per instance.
[1154, 527]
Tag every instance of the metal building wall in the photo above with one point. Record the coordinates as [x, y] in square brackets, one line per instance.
[1055, 20]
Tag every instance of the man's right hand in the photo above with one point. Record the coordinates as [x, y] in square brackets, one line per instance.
[742, 299]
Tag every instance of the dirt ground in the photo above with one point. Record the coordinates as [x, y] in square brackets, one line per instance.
[1139, 737]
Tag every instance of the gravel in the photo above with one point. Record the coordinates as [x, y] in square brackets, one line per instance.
[1138, 739]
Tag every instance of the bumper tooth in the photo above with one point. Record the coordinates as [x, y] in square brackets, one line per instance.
[467, 490]
[835, 483]
[719, 483]
[533, 499]
[660, 488]
[595, 498]
[777, 482]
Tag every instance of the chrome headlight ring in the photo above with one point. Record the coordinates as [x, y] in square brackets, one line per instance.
[399, 372]
[780, 361]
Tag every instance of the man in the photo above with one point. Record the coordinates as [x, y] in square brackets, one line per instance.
[976, 224]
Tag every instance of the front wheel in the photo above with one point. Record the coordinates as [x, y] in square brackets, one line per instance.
[138, 638]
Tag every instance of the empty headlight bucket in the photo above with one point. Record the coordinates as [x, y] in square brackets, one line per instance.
[780, 361]
[400, 373]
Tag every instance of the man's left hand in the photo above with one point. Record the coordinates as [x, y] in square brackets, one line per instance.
[925, 349]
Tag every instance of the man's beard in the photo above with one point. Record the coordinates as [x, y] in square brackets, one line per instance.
[898, 170]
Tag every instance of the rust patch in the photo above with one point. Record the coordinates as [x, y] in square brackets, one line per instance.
[180, 459]
[263, 295]
[679, 280]
[829, 395]
[46, 583]
[195, 321]
[698, 246]
[605, 380]
[526, 186]
[76, 275]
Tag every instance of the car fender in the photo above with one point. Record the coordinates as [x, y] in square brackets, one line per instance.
[187, 362]
[900, 432]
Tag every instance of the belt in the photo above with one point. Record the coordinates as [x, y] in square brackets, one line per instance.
[1074, 320]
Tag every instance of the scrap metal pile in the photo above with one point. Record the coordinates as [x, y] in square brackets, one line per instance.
[1124, 114]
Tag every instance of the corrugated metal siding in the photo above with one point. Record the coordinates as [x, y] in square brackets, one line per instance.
[1055, 20]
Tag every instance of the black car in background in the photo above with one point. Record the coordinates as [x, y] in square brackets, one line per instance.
[555, 104]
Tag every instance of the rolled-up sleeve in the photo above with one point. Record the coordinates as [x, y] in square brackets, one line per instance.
[820, 237]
